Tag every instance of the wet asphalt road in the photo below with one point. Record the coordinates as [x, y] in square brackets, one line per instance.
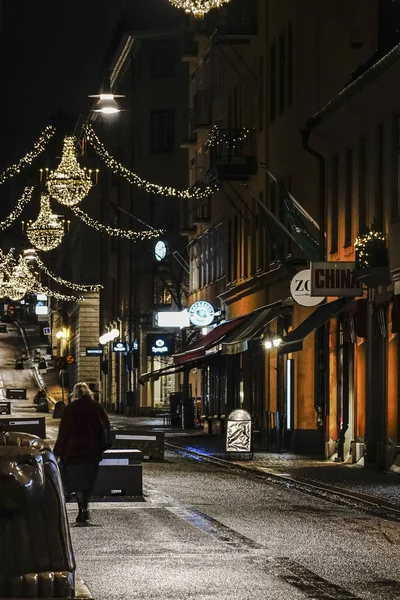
[204, 532]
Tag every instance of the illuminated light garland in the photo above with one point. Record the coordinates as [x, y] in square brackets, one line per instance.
[22, 202]
[38, 148]
[69, 184]
[363, 248]
[47, 232]
[7, 262]
[218, 136]
[42, 289]
[129, 234]
[198, 8]
[74, 286]
[196, 192]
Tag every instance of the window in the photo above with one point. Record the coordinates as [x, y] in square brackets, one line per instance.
[235, 247]
[229, 253]
[162, 131]
[260, 94]
[396, 168]
[272, 82]
[261, 235]
[379, 177]
[290, 64]
[163, 54]
[282, 73]
[273, 209]
[335, 205]
[348, 197]
[162, 291]
[362, 184]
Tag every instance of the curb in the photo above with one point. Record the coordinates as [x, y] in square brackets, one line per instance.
[370, 504]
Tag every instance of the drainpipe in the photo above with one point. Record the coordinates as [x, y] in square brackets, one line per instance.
[321, 369]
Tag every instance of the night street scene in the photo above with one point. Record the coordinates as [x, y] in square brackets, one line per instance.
[200, 299]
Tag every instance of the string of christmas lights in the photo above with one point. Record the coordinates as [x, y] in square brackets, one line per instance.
[129, 234]
[42, 289]
[232, 137]
[26, 160]
[365, 245]
[74, 286]
[196, 192]
[22, 202]
[198, 8]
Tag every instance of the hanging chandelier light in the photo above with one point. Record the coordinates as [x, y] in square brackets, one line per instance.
[69, 183]
[198, 8]
[19, 282]
[47, 232]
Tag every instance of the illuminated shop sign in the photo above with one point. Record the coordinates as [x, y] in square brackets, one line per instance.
[160, 345]
[300, 289]
[120, 347]
[201, 313]
[94, 351]
[334, 279]
[172, 319]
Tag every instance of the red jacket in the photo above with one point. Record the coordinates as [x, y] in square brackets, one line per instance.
[80, 437]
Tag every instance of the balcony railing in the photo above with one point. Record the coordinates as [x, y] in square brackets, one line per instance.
[234, 157]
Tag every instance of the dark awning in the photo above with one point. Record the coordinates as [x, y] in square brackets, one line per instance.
[155, 375]
[207, 342]
[238, 340]
[293, 342]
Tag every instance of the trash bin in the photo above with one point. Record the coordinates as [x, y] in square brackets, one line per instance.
[239, 436]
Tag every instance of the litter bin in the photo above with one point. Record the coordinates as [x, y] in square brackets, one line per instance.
[239, 436]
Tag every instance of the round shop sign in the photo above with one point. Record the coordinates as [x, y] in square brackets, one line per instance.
[201, 313]
[300, 289]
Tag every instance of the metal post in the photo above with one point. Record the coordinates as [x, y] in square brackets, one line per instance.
[62, 385]
[369, 393]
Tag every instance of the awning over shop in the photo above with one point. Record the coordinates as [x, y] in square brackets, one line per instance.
[155, 375]
[207, 342]
[238, 340]
[293, 342]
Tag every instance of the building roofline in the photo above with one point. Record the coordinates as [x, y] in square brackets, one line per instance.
[354, 87]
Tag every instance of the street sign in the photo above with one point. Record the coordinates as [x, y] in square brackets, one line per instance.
[300, 289]
[46, 330]
[94, 351]
[335, 279]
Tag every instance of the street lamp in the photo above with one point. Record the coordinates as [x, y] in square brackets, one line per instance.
[106, 104]
[274, 343]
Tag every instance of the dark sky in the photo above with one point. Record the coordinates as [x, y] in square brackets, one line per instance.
[51, 57]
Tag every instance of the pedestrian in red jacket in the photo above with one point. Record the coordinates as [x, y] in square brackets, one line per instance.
[83, 428]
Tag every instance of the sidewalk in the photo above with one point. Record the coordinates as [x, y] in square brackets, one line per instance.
[375, 487]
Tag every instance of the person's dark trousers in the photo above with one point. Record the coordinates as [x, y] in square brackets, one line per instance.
[83, 501]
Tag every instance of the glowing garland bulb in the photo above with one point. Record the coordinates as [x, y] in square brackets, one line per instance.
[114, 231]
[70, 284]
[38, 148]
[196, 192]
[198, 7]
[69, 183]
[47, 232]
[21, 203]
